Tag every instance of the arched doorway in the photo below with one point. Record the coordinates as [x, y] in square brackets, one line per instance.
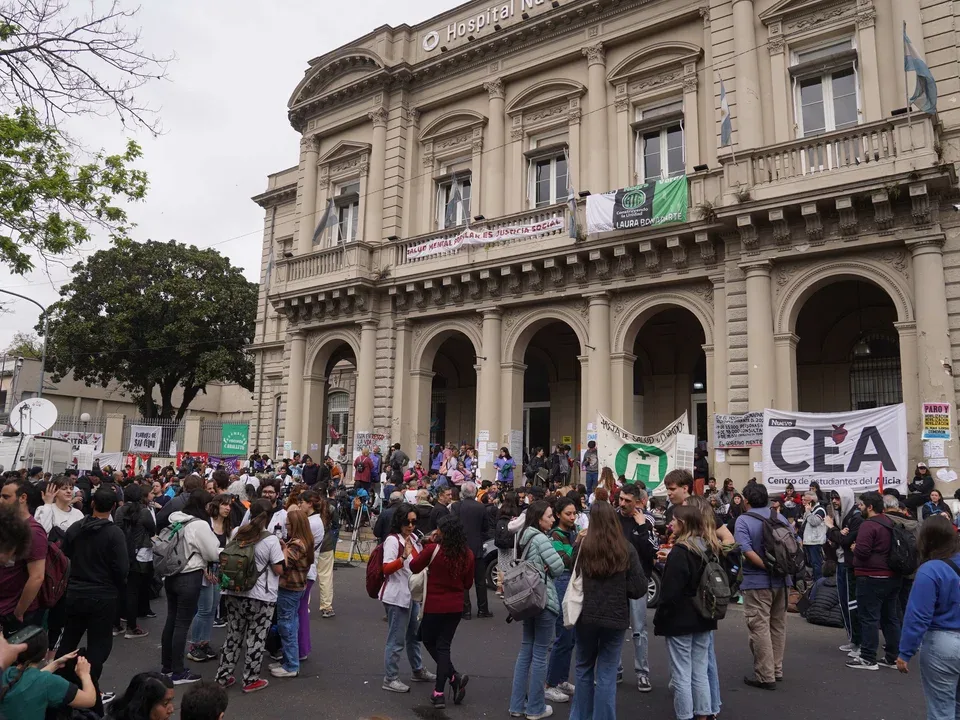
[552, 387]
[848, 352]
[453, 396]
[330, 388]
[669, 374]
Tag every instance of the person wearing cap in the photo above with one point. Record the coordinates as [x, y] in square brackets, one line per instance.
[920, 488]
[35, 475]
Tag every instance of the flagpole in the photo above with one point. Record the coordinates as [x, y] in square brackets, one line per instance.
[733, 152]
[906, 86]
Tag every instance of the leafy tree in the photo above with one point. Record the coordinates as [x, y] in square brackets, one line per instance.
[154, 316]
[55, 65]
[25, 345]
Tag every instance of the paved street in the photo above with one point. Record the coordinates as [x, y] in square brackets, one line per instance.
[341, 681]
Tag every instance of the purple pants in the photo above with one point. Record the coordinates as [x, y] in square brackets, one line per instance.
[303, 637]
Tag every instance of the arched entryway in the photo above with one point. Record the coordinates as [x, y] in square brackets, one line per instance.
[329, 387]
[848, 349]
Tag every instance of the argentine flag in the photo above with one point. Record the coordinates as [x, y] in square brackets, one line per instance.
[726, 124]
[925, 94]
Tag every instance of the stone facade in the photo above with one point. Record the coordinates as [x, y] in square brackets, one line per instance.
[390, 120]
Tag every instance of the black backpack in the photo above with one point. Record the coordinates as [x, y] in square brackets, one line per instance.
[903, 550]
[502, 537]
[783, 553]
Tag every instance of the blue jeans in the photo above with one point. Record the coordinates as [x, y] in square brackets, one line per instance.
[402, 627]
[688, 674]
[713, 678]
[591, 482]
[814, 555]
[288, 625]
[202, 627]
[558, 671]
[940, 674]
[878, 604]
[598, 653]
[531, 668]
[641, 642]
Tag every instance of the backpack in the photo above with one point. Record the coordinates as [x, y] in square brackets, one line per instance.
[903, 550]
[375, 576]
[358, 465]
[170, 550]
[56, 573]
[238, 566]
[783, 553]
[502, 537]
[713, 590]
[524, 587]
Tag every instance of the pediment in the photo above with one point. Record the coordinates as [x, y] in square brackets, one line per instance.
[344, 149]
[343, 68]
[791, 8]
[456, 121]
[548, 92]
[654, 59]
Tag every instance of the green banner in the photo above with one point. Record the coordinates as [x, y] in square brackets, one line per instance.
[654, 203]
[233, 439]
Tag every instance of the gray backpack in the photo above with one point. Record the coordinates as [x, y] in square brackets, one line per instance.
[170, 550]
[524, 586]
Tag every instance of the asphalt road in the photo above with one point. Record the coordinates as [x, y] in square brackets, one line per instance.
[341, 680]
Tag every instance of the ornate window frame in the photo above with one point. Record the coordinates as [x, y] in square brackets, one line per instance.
[450, 138]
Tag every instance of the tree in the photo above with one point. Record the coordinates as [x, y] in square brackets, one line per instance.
[53, 66]
[154, 317]
[25, 345]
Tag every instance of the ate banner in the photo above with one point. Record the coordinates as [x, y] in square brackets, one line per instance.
[642, 206]
[842, 449]
[645, 459]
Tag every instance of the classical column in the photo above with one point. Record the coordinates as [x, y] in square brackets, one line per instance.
[314, 417]
[719, 379]
[511, 395]
[624, 136]
[761, 368]
[710, 85]
[786, 353]
[400, 428]
[598, 377]
[934, 358]
[749, 118]
[621, 389]
[373, 215]
[308, 194]
[293, 425]
[597, 95]
[421, 393]
[708, 357]
[869, 63]
[410, 170]
[493, 172]
[366, 376]
[489, 416]
[782, 119]
[908, 380]
[478, 178]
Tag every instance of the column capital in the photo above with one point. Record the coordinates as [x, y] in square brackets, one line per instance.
[322, 379]
[309, 144]
[513, 367]
[924, 246]
[718, 281]
[601, 298]
[296, 335]
[494, 89]
[907, 327]
[595, 55]
[378, 116]
[787, 338]
[404, 325]
[757, 268]
[584, 360]
[707, 350]
[422, 374]
[491, 313]
[623, 357]
[368, 325]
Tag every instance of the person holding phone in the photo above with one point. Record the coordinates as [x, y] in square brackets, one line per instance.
[27, 691]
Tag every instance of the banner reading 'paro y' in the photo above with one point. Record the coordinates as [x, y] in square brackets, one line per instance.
[645, 459]
[842, 449]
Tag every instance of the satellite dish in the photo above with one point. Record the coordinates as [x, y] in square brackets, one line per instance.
[34, 416]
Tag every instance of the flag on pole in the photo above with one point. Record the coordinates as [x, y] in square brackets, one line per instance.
[726, 124]
[925, 94]
[456, 199]
[269, 273]
[327, 220]
[571, 196]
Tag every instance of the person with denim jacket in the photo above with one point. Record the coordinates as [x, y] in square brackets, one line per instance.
[527, 695]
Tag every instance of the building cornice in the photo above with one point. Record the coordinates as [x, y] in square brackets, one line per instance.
[277, 196]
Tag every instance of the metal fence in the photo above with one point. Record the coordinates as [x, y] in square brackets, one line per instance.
[211, 436]
[172, 432]
[67, 423]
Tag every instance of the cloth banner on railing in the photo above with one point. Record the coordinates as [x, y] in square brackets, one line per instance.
[145, 439]
[642, 206]
[737, 431]
[81, 438]
[843, 449]
[485, 236]
[233, 438]
[645, 459]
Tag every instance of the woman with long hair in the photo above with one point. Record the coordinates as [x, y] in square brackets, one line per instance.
[612, 575]
[563, 534]
[503, 537]
[609, 483]
[727, 492]
[935, 506]
[298, 555]
[139, 524]
[530, 672]
[149, 696]
[218, 511]
[736, 509]
[314, 506]
[250, 612]
[505, 465]
[931, 622]
[686, 630]
[451, 574]
[325, 556]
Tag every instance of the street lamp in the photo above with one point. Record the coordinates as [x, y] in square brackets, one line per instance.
[43, 353]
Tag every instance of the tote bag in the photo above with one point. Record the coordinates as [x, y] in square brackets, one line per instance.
[573, 598]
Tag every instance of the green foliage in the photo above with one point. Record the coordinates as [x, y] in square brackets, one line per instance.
[154, 316]
[25, 345]
[48, 200]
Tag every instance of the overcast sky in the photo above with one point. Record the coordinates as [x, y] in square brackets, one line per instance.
[223, 110]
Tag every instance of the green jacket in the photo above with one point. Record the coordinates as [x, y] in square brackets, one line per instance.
[538, 550]
[563, 544]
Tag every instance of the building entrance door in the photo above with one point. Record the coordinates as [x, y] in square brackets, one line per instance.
[536, 426]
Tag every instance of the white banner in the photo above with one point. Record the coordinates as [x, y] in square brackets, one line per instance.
[81, 438]
[145, 439]
[645, 459]
[737, 431]
[836, 449]
[485, 236]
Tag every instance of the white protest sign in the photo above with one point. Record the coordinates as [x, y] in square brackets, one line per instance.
[737, 431]
[145, 439]
[645, 459]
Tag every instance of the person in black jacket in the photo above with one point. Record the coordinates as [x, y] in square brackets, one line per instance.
[136, 521]
[842, 534]
[310, 473]
[382, 527]
[920, 487]
[824, 608]
[612, 577]
[476, 524]
[99, 564]
[686, 630]
[440, 508]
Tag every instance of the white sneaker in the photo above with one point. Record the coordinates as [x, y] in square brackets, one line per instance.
[281, 673]
[556, 695]
[567, 688]
[849, 647]
[854, 654]
[547, 712]
[395, 686]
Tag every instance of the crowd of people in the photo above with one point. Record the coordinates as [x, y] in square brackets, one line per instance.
[88, 555]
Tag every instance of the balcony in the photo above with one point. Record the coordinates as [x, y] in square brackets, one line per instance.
[866, 154]
[406, 265]
[330, 266]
